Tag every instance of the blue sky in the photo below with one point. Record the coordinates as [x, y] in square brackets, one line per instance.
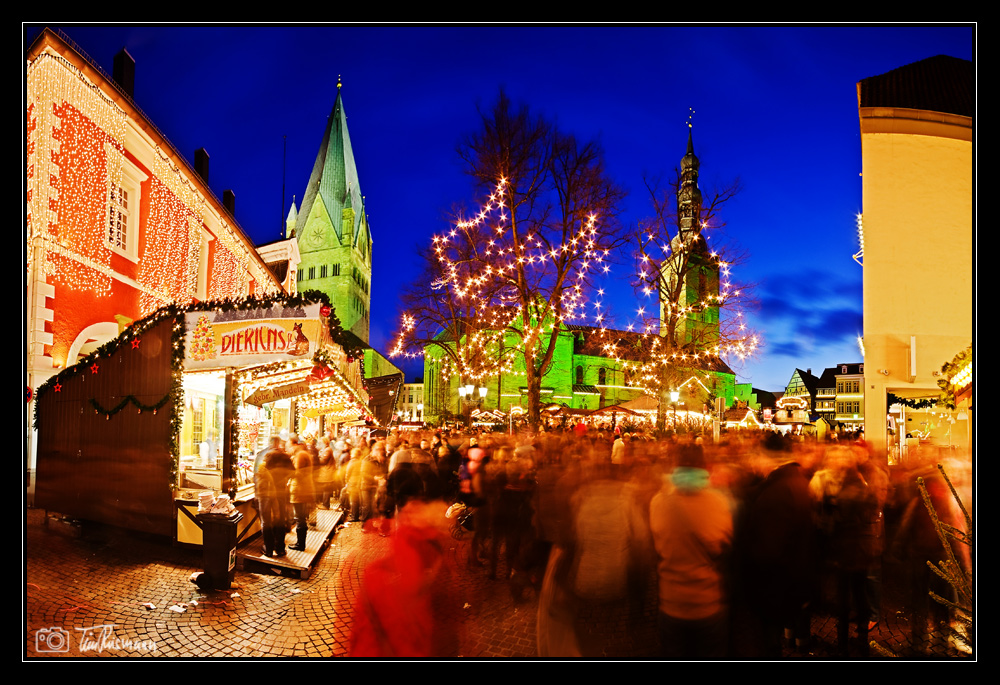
[775, 107]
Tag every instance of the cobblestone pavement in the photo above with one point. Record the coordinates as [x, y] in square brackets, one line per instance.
[141, 587]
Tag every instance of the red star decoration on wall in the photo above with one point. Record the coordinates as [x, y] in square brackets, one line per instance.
[94, 367]
[57, 387]
[135, 343]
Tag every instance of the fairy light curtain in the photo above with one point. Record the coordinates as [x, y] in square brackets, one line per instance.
[75, 153]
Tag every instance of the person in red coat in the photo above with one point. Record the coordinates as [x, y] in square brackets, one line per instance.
[408, 606]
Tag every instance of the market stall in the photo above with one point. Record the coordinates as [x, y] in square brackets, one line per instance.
[181, 402]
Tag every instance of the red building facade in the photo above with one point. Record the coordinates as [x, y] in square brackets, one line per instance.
[117, 223]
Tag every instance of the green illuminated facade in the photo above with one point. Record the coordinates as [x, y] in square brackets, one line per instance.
[332, 230]
[580, 377]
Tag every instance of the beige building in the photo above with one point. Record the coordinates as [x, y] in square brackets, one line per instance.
[410, 406]
[917, 237]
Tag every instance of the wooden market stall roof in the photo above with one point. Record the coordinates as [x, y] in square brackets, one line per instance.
[108, 426]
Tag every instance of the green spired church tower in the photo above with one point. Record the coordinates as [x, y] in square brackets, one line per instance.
[332, 231]
[691, 262]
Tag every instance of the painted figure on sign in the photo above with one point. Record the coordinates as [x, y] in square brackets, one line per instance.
[300, 344]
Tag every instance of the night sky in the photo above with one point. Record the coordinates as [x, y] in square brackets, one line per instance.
[774, 107]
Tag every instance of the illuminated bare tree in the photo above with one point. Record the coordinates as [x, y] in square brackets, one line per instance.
[527, 262]
[698, 310]
[446, 317]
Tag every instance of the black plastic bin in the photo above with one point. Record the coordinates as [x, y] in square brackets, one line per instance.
[219, 548]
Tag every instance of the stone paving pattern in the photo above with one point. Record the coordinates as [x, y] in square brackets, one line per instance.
[106, 576]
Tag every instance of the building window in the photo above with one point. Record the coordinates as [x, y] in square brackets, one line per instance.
[848, 407]
[121, 230]
[118, 215]
[602, 377]
[322, 271]
[198, 420]
[579, 375]
[312, 272]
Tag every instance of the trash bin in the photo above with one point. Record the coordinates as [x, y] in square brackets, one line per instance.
[219, 548]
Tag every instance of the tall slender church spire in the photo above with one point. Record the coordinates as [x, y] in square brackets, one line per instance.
[334, 177]
[332, 229]
[689, 194]
[691, 263]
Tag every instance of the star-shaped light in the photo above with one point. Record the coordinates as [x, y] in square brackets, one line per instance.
[94, 367]
[135, 343]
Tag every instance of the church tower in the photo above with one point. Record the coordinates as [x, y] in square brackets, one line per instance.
[332, 231]
[697, 322]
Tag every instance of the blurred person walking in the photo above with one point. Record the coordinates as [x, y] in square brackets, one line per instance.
[408, 605]
[274, 468]
[301, 490]
[692, 529]
[774, 544]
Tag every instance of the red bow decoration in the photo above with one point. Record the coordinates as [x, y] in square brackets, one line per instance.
[319, 374]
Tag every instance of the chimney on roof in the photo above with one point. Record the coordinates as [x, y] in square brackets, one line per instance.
[201, 164]
[229, 202]
[123, 72]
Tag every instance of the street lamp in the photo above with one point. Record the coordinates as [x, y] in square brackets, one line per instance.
[674, 396]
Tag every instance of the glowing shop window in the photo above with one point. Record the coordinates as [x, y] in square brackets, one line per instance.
[200, 443]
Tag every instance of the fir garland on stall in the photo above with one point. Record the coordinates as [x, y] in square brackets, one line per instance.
[129, 399]
[911, 403]
[234, 433]
[948, 370]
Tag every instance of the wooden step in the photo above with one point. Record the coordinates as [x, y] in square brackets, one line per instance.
[295, 563]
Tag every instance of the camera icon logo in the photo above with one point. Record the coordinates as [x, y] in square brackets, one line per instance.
[51, 640]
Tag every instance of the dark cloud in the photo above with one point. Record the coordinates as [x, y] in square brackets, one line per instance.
[808, 311]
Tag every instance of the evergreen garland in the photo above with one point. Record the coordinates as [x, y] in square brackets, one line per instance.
[234, 433]
[948, 370]
[911, 403]
[129, 399]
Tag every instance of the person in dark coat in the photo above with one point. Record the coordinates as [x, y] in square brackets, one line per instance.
[271, 475]
[775, 544]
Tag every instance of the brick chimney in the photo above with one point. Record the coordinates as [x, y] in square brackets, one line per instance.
[201, 164]
[123, 72]
[229, 202]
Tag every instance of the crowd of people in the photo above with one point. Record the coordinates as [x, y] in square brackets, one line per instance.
[743, 540]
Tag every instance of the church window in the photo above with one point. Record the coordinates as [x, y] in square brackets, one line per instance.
[579, 375]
